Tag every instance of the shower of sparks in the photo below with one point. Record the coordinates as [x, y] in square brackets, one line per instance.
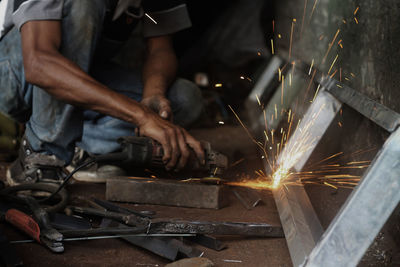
[330, 45]
[291, 38]
[272, 47]
[311, 66]
[147, 15]
[333, 63]
[280, 155]
[316, 92]
[304, 15]
[313, 9]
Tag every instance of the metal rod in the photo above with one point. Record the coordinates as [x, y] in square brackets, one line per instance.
[106, 237]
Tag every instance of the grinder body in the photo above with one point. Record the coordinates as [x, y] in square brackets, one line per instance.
[146, 152]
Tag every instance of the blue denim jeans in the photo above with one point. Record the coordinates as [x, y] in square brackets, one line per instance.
[54, 127]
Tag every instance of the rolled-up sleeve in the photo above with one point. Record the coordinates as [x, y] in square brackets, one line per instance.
[164, 19]
[29, 10]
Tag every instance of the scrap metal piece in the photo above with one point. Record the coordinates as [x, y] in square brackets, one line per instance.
[363, 215]
[112, 207]
[247, 196]
[214, 228]
[166, 192]
[208, 242]
[156, 245]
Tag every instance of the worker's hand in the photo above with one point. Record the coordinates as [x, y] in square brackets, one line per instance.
[160, 105]
[175, 140]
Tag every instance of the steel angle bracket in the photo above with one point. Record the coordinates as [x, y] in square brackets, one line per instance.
[364, 213]
[300, 223]
[372, 202]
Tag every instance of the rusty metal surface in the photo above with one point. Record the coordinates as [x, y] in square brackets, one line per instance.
[166, 192]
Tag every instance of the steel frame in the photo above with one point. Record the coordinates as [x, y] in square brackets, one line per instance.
[361, 217]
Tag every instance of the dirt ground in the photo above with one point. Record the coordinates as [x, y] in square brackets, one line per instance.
[230, 140]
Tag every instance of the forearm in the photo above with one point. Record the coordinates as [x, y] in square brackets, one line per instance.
[66, 81]
[160, 67]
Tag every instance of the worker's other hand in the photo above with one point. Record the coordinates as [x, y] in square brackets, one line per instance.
[175, 140]
[160, 105]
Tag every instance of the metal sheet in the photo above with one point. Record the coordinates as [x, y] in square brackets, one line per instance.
[365, 212]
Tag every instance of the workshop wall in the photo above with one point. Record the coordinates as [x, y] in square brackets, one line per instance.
[368, 52]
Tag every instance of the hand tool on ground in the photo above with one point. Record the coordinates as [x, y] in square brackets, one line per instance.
[154, 245]
[172, 226]
[164, 246]
[8, 255]
[38, 226]
[111, 207]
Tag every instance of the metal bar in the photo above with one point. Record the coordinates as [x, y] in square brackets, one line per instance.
[214, 228]
[106, 237]
[299, 221]
[378, 113]
[365, 211]
[166, 192]
[316, 121]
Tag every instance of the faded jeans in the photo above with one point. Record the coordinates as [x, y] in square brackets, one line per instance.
[54, 127]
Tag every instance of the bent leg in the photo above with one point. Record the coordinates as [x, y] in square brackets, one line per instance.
[15, 94]
[55, 126]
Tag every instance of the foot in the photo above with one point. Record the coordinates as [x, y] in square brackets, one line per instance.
[95, 173]
[31, 167]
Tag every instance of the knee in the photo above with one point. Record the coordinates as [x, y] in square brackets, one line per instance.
[187, 101]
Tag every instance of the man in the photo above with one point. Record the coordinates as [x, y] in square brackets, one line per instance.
[54, 65]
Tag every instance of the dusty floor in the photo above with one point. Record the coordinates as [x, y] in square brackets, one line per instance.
[247, 251]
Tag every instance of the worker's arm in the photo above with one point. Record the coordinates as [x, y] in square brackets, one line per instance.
[45, 67]
[159, 72]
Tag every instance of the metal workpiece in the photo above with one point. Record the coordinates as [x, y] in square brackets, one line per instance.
[315, 122]
[299, 221]
[378, 113]
[249, 198]
[264, 86]
[365, 211]
[167, 192]
[166, 247]
[214, 228]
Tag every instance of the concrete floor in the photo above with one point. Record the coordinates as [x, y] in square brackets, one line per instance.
[249, 251]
